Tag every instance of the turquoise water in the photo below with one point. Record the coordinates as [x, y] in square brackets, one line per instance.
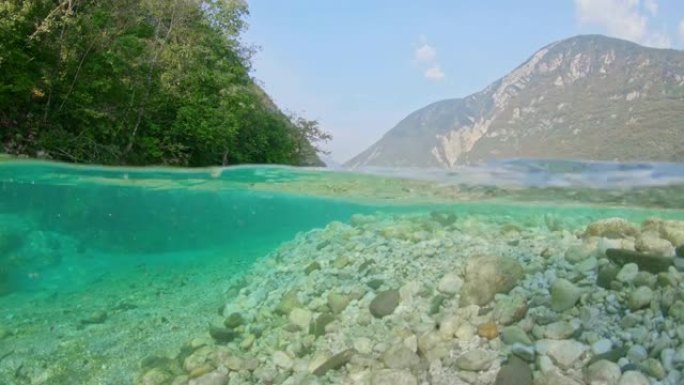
[103, 268]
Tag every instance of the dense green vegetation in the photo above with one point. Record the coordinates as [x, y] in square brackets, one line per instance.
[138, 82]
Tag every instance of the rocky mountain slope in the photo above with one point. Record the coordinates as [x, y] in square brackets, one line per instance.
[587, 97]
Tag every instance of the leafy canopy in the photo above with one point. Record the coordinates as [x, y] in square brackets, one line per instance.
[139, 82]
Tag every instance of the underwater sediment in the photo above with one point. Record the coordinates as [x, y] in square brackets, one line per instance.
[112, 276]
[443, 299]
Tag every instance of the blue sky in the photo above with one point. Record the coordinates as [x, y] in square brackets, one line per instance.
[358, 67]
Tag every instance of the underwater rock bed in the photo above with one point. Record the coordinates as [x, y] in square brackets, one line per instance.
[445, 299]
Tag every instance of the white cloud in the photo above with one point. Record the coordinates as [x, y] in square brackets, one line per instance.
[681, 31]
[626, 19]
[434, 73]
[651, 7]
[425, 53]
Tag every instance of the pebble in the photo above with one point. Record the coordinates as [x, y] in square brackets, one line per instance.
[301, 318]
[317, 327]
[554, 378]
[525, 352]
[222, 334]
[363, 345]
[488, 275]
[476, 360]
[647, 262]
[288, 302]
[338, 302]
[156, 376]
[384, 303]
[627, 273]
[640, 298]
[601, 346]
[335, 362]
[233, 321]
[632, 377]
[510, 309]
[564, 353]
[653, 368]
[313, 266]
[578, 253]
[488, 330]
[667, 358]
[393, 377]
[558, 330]
[612, 228]
[650, 242]
[678, 358]
[450, 284]
[282, 360]
[603, 372]
[513, 334]
[400, 357]
[96, 317]
[217, 377]
[514, 372]
[589, 264]
[606, 275]
[564, 295]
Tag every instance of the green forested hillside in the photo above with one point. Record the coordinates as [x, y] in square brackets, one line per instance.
[138, 82]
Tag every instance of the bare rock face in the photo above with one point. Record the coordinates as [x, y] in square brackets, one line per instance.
[535, 106]
[487, 276]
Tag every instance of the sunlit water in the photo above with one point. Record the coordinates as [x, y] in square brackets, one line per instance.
[102, 268]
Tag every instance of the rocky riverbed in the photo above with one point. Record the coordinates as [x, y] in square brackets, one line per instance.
[449, 299]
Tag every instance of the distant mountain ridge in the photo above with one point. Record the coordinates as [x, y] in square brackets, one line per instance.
[587, 97]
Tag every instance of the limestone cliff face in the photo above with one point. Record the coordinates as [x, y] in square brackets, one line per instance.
[588, 97]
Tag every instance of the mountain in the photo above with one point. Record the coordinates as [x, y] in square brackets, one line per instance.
[587, 97]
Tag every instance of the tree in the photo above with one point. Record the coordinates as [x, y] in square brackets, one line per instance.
[308, 135]
[138, 82]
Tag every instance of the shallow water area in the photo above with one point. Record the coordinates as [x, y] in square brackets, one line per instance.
[266, 274]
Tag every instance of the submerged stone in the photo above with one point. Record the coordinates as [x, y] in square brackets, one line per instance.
[317, 327]
[613, 228]
[648, 262]
[436, 304]
[288, 302]
[234, 320]
[375, 283]
[475, 360]
[400, 357]
[487, 276]
[488, 330]
[510, 309]
[335, 362]
[338, 302]
[632, 377]
[96, 317]
[607, 274]
[313, 266]
[384, 303]
[564, 295]
[603, 372]
[640, 298]
[393, 377]
[515, 334]
[222, 334]
[679, 251]
[514, 372]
